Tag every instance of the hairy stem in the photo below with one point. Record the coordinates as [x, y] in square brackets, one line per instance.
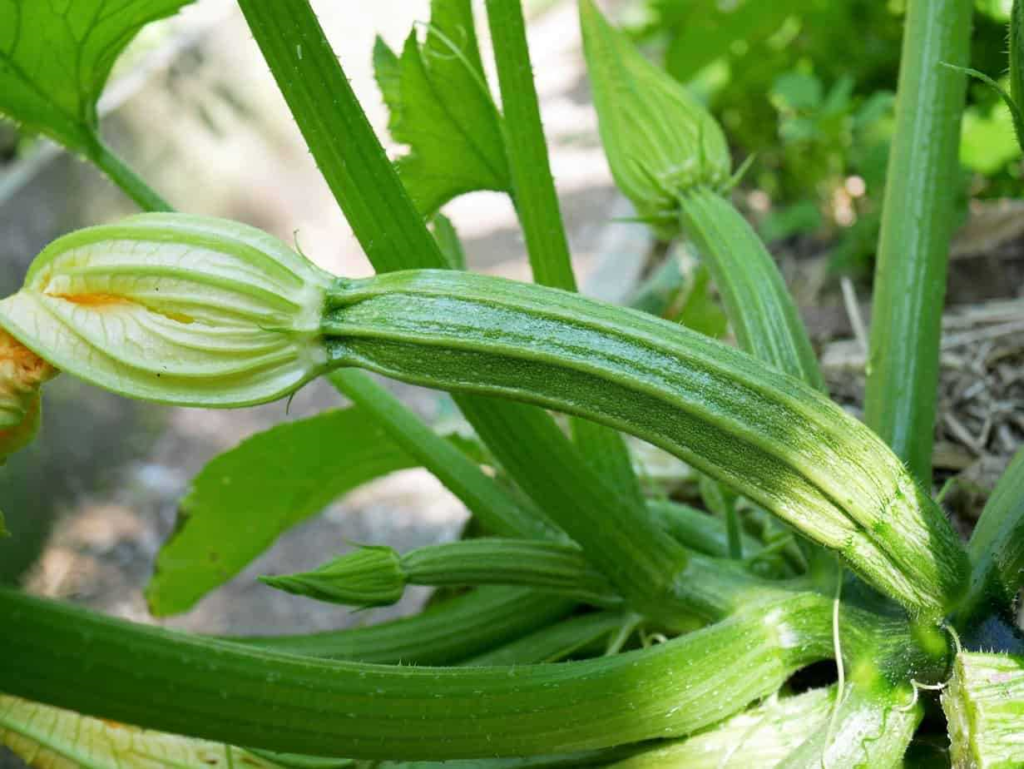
[125, 178]
[533, 186]
[917, 215]
[247, 696]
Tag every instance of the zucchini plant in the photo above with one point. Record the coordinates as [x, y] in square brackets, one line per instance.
[593, 623]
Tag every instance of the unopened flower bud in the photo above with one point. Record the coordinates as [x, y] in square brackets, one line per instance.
[659, 140]
[175, 309]
[369, 576]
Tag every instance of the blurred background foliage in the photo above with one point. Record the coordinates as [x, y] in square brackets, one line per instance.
[806, 87]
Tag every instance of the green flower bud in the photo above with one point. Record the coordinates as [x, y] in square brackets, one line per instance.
[370, 576]
[175, 309]
[659, 140]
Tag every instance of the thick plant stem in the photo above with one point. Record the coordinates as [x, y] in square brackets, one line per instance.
[246, 696]
[555, 642]
[618, 537]
[125, 178]
[913, 248]
[533, 186]
[378, 575]
[340, 138]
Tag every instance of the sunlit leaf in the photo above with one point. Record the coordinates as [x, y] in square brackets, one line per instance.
[245, 498]
[51, 738]
[56, 56]
[441, 107]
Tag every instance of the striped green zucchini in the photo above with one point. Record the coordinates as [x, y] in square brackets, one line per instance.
[768, 435]
[189, 311]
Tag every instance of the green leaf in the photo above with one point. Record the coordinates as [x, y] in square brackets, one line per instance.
[52, 738]
[441, 107]
[3, 527]
[245, 498]
[56, 56]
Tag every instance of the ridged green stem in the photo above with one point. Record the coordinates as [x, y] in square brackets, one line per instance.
[459, 628]
[340, 138]
[701, 532]
[248, 696]
[377, 576]
[917, 218]
[548, 566]
[774, 439]
[533, 187]
[124, 177]
[621, 540]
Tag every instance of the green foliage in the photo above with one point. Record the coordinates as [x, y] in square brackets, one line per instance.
[247, 497]
[839, 61]
[442, 108]
[681, 629]
[55, 58]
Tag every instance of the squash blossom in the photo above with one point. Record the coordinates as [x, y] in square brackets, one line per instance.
[175, 309]
[22, 373]
[660, 141]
